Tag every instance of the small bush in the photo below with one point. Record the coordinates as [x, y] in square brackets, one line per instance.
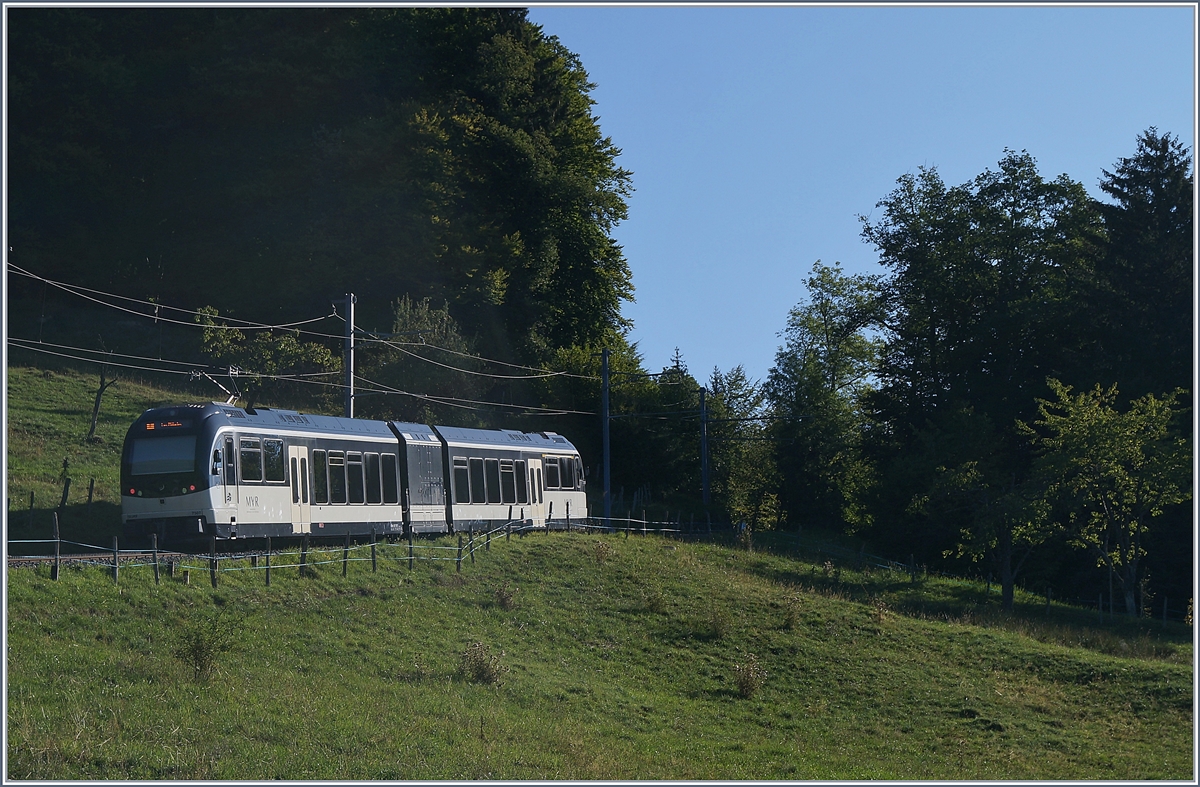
[450, 579]
[879, 609]
[418, 671]
[480, 665]
[655, 601]
[749, 676]
[506, 597]
[791, 612]
[602, 551]
[720, 623]
[200, 641]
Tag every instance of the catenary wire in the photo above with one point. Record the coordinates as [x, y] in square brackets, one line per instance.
[79, 291]
[27, 344]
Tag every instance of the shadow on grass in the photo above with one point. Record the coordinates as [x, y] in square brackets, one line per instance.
[95, 527]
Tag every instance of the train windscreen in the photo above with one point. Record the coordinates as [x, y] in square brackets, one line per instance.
[175, 454]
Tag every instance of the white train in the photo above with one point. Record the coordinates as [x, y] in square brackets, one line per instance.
[199, 470]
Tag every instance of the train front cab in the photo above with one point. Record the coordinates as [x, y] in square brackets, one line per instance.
[170, 482]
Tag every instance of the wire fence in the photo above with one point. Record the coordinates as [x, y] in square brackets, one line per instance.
[310, 554]
[409, 550]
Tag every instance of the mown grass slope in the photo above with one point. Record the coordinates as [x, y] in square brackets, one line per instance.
[616, 659]
[613, 657]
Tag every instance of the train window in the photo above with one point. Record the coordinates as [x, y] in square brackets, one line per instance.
[295, 483]
[374, 490]
[337, 477]
[522, 482]
[550, 463]
[492, 473]
[567, 474]
[477, 481]
[304, 480]
[251, 460]
[508, 482]
[462, 482]
[354, 477]
[230, 471]
[541, 490]
[320, 479]
[273, 460]
[390, 494]
[579, 472]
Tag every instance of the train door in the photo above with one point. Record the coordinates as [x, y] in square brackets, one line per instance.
[537, 495]
[229, 474]
[298, 465]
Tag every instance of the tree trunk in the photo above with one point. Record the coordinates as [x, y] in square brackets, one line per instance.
[104, 385]
[1004, 562]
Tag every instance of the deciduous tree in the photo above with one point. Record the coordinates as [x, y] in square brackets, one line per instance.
[1116, 471]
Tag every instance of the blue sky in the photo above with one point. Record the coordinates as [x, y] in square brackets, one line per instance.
[757, 135]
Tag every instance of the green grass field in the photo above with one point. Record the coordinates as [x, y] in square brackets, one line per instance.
[595, 656]
[615, 658]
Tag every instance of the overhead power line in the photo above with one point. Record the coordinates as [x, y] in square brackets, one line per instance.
[232, 323]
[90, 356]
[79, 291]
[453, 401]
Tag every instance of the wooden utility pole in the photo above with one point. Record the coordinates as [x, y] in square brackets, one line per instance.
[604, 436]
[704, 446]
[348, 360]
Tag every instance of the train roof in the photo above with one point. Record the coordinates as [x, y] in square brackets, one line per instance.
[274, 418]
[509, 438]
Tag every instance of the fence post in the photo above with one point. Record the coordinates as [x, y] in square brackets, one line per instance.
[30, 523]
[154, 549]
[471, 546]
[303, 554]
[372, 550]
[568, 516]
[508, 531]
[346, 553]
[57, 543]
[549, 517]
[116, 555]
[212, 563]
[487, 542]
[410, 548]
[268, 561]
[62, 505]
[458, 563]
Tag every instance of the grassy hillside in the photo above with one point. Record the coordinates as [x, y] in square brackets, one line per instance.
[596, 657]
[615, 659]
[49, 412]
